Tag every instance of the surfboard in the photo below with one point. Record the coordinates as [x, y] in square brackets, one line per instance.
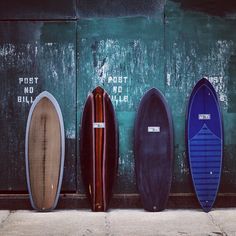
[98, 149]
[205, 142]
[153, 149]
[44, 152]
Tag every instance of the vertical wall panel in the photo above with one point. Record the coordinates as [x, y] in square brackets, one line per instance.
[126, 57]
[37, 9]
[200, 45]
[35, 56]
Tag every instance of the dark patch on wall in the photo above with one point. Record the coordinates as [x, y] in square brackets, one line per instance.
[37, 9]
[19, 33]
[212, 7]
[112, 8]
[232, 84]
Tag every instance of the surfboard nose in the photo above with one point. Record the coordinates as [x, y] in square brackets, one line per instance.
[98, 90]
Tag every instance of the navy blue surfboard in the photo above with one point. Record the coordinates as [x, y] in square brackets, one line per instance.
[153, 146]
[205, 142]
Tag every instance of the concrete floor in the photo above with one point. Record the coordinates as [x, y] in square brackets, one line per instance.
[118, 222]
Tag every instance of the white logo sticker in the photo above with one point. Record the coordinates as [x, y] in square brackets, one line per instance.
[154, 129]
[204, 116]
[98, 125]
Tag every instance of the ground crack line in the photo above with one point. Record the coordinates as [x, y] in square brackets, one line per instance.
[4, 220]
[107, 225]
[216, 224]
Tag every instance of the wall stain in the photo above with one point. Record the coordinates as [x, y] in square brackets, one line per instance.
[211, 7]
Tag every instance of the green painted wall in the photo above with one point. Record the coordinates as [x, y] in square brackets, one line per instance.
[127, 55]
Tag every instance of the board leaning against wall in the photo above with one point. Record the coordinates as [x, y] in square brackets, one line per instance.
[127, 50]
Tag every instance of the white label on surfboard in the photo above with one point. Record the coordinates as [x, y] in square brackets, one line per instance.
[98, 125]
[204, 116]
[154, 129]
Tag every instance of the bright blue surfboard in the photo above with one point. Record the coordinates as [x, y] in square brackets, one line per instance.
[205, 142]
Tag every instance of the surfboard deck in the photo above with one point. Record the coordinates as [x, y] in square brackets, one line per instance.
[44, 152]
[153, 147]
[205, 142]
[98, 149]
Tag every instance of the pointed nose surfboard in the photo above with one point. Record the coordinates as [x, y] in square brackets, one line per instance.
[44, 149]
[98, 149]
[153, 147]
[205, 142]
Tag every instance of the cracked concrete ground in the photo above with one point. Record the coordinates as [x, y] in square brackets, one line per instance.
[118, 222]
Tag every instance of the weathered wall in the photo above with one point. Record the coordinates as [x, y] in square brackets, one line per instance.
[170, 51]
[151, 44]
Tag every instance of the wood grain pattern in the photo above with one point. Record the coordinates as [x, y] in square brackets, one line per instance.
[44, 154]
[98, 149]
[153, 150]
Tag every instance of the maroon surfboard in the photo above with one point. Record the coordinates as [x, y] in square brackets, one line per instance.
[98, 149]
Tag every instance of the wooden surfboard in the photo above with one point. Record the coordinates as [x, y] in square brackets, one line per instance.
[153, 147]
[44, 152]
[98, 149]
[205, 142]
